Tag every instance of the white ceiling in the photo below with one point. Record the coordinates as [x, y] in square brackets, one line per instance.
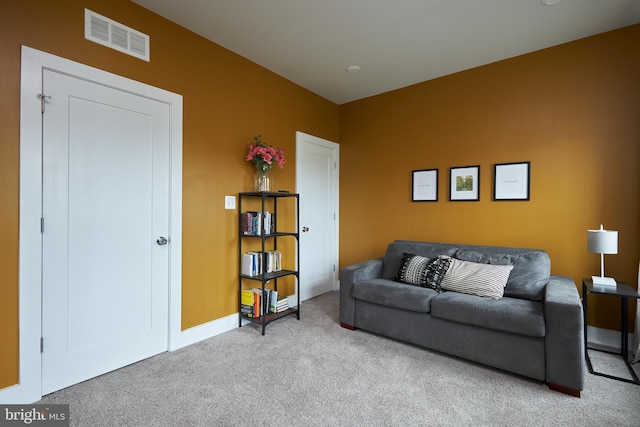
[395, 42]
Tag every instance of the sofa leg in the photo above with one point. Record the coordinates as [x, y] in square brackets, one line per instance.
[565, 390]
[347, 326]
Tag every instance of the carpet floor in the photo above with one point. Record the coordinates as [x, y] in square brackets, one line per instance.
[312, 372]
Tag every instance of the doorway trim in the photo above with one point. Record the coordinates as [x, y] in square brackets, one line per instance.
[29, 387]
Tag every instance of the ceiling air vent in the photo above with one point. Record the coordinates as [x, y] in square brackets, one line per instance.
[112, 34]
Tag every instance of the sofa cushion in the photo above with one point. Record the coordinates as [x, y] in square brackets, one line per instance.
[531, 271]
[395, 250]
[421, 271]
[394, 294]
[474, 278]
[519, 316]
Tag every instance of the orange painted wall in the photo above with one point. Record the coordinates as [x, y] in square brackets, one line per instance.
[227, 100]
[572, 110]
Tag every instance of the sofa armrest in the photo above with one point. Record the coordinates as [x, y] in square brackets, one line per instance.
[564, 341]
[365, 270]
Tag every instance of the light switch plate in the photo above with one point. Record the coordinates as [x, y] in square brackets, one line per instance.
[229, 202]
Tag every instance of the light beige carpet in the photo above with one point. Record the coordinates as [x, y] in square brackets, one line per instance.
[312, 372]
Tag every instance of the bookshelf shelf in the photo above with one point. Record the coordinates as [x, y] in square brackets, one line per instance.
[259, 269]
[271, 316]
[270, 276]
[267, 236]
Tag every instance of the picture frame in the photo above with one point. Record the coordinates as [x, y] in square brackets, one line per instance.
[424, 185]
[511, 181]
[464, 183]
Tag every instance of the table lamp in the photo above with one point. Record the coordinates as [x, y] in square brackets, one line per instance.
[602, 242]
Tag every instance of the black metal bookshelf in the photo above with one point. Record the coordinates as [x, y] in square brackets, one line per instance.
[267, 240]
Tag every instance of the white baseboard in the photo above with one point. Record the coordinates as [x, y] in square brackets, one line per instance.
[607, 338]
[204, 331]
[17, 394]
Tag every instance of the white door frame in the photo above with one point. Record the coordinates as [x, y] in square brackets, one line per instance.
[33, 61]
[300, 136]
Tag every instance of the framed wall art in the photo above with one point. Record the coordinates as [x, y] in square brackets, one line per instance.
[511, 181]
[464, 183]
[425, 185]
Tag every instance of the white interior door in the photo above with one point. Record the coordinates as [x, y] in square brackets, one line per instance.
[317, 163]
[105, 279]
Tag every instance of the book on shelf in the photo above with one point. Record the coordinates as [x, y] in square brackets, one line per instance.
[258, 302]
[255, 263]
[273, 260]
[282, 304]
[255, 223]
[248, 265]
[270, 298]
[252, 263]
[247, 300]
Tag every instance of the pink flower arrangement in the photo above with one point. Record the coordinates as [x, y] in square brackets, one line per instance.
[264, 156]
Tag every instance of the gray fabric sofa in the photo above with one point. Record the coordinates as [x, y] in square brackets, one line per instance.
[534, 330]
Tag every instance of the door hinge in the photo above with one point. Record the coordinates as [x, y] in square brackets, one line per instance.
[41, 344]
[335, 164]
[42, 225]
[43, 99]
[334, 267]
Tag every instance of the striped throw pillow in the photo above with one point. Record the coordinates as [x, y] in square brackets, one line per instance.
[484, 280]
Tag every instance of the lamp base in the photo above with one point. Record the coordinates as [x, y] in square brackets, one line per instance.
[603, 281]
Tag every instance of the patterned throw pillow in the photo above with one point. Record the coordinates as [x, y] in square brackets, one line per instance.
[484, 280]
[421, 271]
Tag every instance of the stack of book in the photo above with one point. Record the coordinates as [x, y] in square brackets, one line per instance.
[282, 304]
[255, 263]
[257, 302]
[250, 223]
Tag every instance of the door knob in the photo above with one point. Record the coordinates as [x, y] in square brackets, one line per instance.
[161, 241]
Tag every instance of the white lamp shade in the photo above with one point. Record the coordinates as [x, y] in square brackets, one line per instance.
[602, 241]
